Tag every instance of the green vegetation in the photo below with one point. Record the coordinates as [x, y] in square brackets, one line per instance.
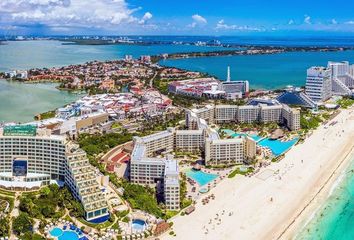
[4, 226]
[30, 236]
[45, 115]
[309, 121]
[103, 225]
[238, 171]
[96, 144]
[345, 102]
[170, 214]
[185, 202]
[143, 198]
[7, 193]
[51, 202]
[22, 224]
[116, 125]
[160, 124]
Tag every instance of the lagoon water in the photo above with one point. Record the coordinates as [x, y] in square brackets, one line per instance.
[335, 218]
[263, 71]
[46, 53]
[21, 102]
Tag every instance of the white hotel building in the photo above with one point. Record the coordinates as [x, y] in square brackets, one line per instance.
[335, 79]
[31, 158]
[276, 112]
[147, 168]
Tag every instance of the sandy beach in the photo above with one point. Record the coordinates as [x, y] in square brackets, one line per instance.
[276, 202]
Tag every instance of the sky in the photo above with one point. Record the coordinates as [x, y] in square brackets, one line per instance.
[176, 17]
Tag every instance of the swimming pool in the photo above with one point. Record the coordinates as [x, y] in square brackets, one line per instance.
[201, 177]
[234, 134]
[63, 235]
[253, 136]
[138, 225]
[56, 232]
[277, 147]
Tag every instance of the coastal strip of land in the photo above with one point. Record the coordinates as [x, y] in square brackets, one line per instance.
[250, 50]
[267, 205]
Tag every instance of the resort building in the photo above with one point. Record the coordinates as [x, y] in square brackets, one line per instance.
[258, 110]
[224, 151]
[271, 113]
[248, 114]
[335, 79]
[342, 77]
[234, 89]
[225, 113]
[291, 117]
[189, 140]
[319, 83]
[206, 113]
[210, 88]
[152, 164]
[31, 158]
[294, 96]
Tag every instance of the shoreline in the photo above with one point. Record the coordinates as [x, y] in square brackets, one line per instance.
[265, 206]
[308, 212]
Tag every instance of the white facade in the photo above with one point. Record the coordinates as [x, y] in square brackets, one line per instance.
[318, 83]
[224, 151]
[30, 158]
[147, 168]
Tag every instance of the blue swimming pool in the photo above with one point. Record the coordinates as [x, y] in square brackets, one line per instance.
[201, 177]
[63, 235]
[56, 232]
[234, 134]
[277, 147]
[138, 225]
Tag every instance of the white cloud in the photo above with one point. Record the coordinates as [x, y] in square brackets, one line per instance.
[192, 25]
[291, 22]
[147, 16]
[70, 13]
[334, 21]
[350, 22]
[221, 25]
[307, 19]
[199, 19]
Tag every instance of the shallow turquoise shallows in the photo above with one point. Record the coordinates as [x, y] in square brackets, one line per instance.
[201, 177]
[277, 147]
[56, 232]
[335, 218]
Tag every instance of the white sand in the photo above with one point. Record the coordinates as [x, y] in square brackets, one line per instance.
[255, 216]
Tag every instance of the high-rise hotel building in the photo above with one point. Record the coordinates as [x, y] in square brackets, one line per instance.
[319, 83]
[31, 158]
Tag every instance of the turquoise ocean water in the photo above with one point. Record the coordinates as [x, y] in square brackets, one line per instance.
[334, 220]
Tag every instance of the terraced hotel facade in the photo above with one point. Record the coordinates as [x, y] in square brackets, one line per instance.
[31, 158]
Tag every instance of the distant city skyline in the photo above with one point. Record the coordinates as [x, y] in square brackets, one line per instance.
[209, 17]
